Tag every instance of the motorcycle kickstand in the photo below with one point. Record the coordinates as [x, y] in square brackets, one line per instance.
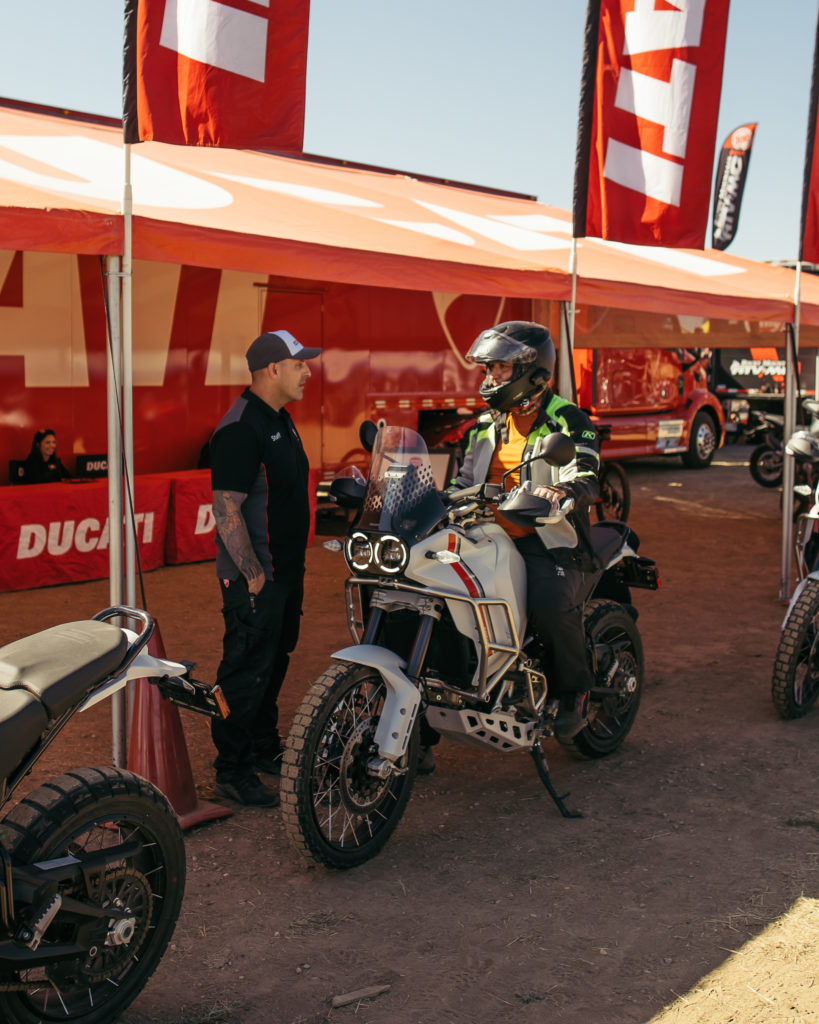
[546, 779]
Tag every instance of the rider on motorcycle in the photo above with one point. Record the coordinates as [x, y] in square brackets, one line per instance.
[519, 359]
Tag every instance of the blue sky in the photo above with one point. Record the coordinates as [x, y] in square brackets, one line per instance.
[471, 90]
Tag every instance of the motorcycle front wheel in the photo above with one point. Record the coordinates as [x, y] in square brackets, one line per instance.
[766, 466]
[612, 634]
[795, 681]
[334, 810]
[82, 814]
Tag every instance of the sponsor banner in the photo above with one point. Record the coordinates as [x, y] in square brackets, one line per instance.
[809, 230]
[191, 526]
[730, 184]
[212, 73]
[59, 533]
[649, 101]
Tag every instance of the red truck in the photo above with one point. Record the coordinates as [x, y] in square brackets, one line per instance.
[656, 401]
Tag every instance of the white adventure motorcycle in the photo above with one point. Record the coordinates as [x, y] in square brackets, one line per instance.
[795, 679]
[437, 608]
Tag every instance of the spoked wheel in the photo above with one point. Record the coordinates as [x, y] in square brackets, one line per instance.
[80, 815]
[766, 466]
[795, 682]
[619, 654]
[615, 493]
[335, 809]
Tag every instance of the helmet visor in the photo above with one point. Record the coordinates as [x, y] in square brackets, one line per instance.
[491, 347]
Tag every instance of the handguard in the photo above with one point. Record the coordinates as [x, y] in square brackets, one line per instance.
[523, 507]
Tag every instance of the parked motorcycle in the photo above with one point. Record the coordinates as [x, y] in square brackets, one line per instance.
[92, 863]
[795, 681]
[437, 609]
[767, 458]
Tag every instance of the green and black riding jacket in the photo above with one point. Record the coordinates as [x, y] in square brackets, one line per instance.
[578, 478]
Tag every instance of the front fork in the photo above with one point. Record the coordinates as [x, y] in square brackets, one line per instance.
[402, 682]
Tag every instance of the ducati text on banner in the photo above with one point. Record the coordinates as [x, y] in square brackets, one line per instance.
[652, 75]
[207, 73]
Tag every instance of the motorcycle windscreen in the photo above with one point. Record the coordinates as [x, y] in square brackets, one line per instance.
[401, 498]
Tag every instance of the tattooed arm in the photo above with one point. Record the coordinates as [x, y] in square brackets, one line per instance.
[233, 531]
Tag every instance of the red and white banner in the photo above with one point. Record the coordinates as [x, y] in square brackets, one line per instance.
[809, 230]
[191, 526]
[732, 171]
[652, 76]
[59, 533]
[227, 73]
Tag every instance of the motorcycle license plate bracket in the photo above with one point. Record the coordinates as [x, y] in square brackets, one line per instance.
[193, 695]
[638, 572]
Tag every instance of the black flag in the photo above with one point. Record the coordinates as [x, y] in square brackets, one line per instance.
[731, 172]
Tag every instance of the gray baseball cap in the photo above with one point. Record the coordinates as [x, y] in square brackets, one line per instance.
[273, 346]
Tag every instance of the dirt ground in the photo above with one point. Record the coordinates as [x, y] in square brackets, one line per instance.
[687, 893]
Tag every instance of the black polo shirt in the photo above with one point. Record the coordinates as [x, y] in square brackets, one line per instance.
[257, 451]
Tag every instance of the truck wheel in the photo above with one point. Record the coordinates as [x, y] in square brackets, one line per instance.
[702, 443]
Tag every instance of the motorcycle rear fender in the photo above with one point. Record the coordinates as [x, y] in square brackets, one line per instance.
[402, 700]
[144, 666]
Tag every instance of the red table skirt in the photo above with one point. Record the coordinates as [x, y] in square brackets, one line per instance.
[58, 533]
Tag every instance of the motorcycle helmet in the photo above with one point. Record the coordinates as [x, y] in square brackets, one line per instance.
[528, 347]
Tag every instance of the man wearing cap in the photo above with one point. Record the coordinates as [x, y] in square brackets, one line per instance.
[259, 475]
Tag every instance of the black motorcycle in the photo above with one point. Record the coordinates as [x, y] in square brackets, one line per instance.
[92, 863]
[767, 458]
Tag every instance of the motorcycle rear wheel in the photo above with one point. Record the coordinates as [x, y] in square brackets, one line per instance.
[333, 810]
[611, 631]
[80, 812]
[795, 681]
[766, 466]
[615, 493]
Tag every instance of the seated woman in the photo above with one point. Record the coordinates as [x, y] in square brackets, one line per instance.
[42, 466]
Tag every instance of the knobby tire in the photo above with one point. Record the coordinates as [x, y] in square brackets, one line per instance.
[82, 811]
[795, 680]
[335, 813]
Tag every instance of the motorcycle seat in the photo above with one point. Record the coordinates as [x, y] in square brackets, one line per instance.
[607, 538]
[59, 665]
[22, 720]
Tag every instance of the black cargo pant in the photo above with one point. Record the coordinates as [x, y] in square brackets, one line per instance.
[259, 638]
[556, 584]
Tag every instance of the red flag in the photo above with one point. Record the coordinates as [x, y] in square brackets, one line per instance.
[216, 72]
[809, 233]
[730, 184]
[652, 76]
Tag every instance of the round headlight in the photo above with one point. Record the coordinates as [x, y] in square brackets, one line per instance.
[390, 555]
[358, 551]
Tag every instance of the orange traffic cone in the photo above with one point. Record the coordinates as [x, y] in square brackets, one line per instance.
[157, 749]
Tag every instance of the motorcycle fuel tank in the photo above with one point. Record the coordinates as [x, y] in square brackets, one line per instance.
[481, 563]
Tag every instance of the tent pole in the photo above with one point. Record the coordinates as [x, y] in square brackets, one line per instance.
[790, 399]
[128, 378]
[565, 384]
[113, 382]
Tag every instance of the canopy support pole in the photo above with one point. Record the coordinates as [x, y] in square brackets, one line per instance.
[113, 403]
[790, 400]
[565, 382]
